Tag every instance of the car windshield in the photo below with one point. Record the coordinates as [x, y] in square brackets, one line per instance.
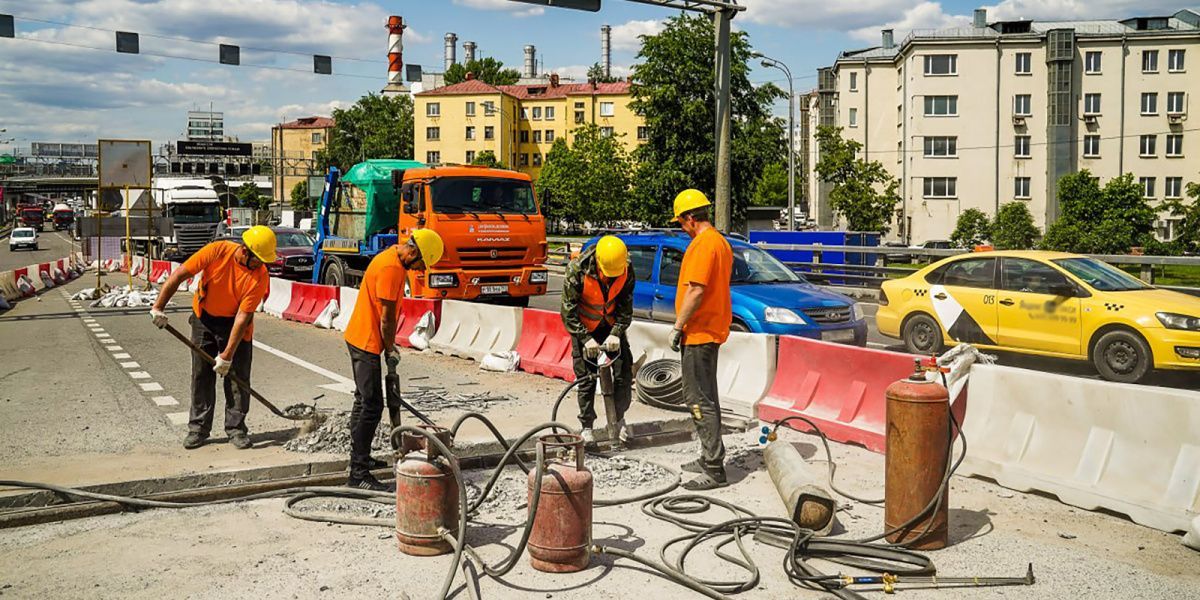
[196, 213]
[751, 265]
[293, 240]
[1101, 275]
[474, 195]
[28, 233]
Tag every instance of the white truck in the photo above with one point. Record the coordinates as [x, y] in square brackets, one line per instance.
[194, 210]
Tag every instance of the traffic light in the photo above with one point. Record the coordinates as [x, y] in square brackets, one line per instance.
[588, 5]
[231, 55]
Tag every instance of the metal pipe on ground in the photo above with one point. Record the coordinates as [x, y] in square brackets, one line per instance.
[808, 505]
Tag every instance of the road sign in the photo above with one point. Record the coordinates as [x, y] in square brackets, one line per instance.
[207, 148]
[125, 163]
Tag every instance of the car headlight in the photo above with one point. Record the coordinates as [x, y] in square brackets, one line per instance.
[857, 312]
[1177, 321]
[539, 277]
[783, 316]
[441, 280]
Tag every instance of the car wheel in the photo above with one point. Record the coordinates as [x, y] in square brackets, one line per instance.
[739, 326]
[335, 273]
[922, 335]
[1122, 356]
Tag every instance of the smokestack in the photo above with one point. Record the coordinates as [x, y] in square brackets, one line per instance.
[888, 41]
[451, 49]
[468, 52]
[530, 62]
[980, 18]
[606, 50]
[395, 27]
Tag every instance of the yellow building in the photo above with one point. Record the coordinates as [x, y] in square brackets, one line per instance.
[294, 147]
[519, 123]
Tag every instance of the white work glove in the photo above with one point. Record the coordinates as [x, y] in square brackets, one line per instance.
[392, 359]
[612, 344]
[591, 348]
[158, 317]
[676, 339]
[222, 366]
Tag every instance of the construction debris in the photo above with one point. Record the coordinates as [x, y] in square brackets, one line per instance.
[434, 398]
[333, 436]
[124, 296]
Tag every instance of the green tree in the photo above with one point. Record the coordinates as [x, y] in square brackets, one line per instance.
[375, 127]
[864, 193]
[487, 70]
[673, 91]
[772, 187]
[1095, 220]
[299, 198]
[596, 73]
[249, 196]
[973, 228]
[487, 158]
[588, 180]
[1013, 228]
[1187, 237]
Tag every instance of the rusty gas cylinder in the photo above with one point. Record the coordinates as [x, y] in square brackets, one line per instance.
[560, 541]
[426, 496]
[918, 445]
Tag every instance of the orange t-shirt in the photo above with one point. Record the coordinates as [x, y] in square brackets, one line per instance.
[227, 286]
[383, 280]
[708, 262]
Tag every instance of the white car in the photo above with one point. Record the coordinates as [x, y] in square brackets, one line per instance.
[23, 237]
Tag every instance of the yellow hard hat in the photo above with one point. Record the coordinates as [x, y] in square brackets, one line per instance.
[430, 244]
[261, 241]
[687, 200]
[611, 256]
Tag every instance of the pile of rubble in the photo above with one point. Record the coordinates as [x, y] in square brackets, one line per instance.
[120, 297]
[333, 436]
[621, 473]
[434, 398]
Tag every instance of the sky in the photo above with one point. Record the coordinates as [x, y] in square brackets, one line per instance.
[61, 80]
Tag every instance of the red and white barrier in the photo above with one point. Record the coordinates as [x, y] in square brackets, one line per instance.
[411, 311]
[545, 345]
[308, 300]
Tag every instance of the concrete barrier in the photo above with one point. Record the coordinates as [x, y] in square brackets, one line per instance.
[278, 297]
[411, 311]
[839, 387]
[8, 286]
[159, 269]
[545, 345]
[1132, 449]
[308, 300]
[349, 300]
[471, 330]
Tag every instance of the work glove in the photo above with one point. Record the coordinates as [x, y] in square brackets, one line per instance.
[222, 367]
[676, 339]
[591, 348]
[392, 359]
[159, 317]
[612, 344]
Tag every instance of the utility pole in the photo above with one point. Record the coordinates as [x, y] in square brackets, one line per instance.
[723, 200]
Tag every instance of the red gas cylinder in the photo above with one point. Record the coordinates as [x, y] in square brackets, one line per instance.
[561, 538]
[918, 448]
[426, 496]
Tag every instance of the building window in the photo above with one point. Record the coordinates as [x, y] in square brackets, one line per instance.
[470, 156]
[941, 106]
[606, 109]
[1147, 186]
[1091, 146]
[1021, 187]
[1174, 187]
[643, 133]
[549, 136]
[549, 113]
[1146, 148]
[578, 105]
[578, 117]
[537, 136]
[470, 132]
[512, 158]
[1175, 61]
[1024, 64]
[606, 132]
[1150, 103]
[433, 109]
[1175, 145]
[489, 132]
[524, 114]
[537, 159]
[1174, 103]
[854, 82]
[318, 137]
[433, 157]
[941, 187]
[936, 147]
[524, 136]
[1023, 105]
[537, 113]
[854, 117]
[489, 107]
[433, 134]
[1091, 63]
[1091, 104]
[524, 160]
[1021, 146]
[941, 64]
[470, 109]
[1149, 61]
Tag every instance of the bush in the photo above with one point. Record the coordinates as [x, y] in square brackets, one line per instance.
[973, 228]
[1013, 228]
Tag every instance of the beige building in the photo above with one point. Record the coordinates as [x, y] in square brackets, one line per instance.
[980, 116]
[519, 123]
[294, 147]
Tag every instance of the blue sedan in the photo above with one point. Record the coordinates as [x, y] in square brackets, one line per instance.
[768, 297]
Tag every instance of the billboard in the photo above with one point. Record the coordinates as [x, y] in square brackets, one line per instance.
[61, 150]
[207, 148]
[124, 163]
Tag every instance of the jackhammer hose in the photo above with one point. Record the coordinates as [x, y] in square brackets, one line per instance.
[660, 384]
[145, 503]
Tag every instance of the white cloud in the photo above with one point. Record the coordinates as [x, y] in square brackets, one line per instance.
[516, 8]
[578, 73]
[822, 14]
[1077, 9]
[927, 15]
[627, 36]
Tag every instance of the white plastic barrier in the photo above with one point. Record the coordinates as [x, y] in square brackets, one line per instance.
[1131, 449]
[8, 286]
[651, 341]
[349, 297]
[473, 331]
[278, 298]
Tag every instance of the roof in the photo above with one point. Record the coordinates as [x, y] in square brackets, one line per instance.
[540, 91]
[308, 123]
[468, 87]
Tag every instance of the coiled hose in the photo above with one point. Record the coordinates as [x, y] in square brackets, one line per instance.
[660, 384]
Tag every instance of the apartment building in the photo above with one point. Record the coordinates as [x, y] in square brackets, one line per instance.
[518, 123]
[294, 151]
[979, 116]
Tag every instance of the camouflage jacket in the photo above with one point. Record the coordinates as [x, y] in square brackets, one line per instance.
[572, 295]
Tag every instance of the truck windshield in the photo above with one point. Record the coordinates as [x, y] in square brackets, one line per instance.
[461, 195]
[751, 265]
[195, 213]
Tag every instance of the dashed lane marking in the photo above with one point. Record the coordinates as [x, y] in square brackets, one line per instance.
[121, 355]
[129, 365]
[165, 400]
[179, 418]
[139, 375]
[113, 348]
[151, 387]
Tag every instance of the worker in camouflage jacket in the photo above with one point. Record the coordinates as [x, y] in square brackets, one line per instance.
[597, 308]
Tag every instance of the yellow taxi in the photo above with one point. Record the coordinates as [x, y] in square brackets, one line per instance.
[1044, 303]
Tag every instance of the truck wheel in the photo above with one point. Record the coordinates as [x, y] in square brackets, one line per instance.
[922, 335]
[335, 273]
[1122, 356]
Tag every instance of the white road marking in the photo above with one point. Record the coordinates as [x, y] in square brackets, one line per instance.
[179, 418]
[165, 400]
[151, 387]
[129, 365]
[113, 348]
[303, 363]
[139, 375]
[121, 355]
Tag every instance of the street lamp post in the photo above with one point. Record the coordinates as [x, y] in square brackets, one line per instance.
[770, 62]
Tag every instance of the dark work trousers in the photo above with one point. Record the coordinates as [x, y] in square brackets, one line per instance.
[211, 334]
[622, 371]
[700, 395]
[368, 408]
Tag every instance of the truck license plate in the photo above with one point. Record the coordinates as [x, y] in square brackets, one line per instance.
[490, 290]
[838, 335]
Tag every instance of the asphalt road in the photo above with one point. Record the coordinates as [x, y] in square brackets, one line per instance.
[52, 245]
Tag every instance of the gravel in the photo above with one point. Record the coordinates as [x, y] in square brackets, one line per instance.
[333, 436]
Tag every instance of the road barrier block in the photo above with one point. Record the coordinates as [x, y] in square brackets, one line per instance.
[545, 345]
[8, 286]
[1132, 449]
[473, 331]
[23, 283]
[45, 274]
[650, 341]
[192, 284]
[839, 387]
[308, 300]
[158, 270]
[349, 298]
[279, 297]
[411, 311]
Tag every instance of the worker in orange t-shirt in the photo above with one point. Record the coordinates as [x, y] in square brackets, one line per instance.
[703, 312]
[233, 284]
[372, 332]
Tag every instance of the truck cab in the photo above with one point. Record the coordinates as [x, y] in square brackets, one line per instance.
[32, 216]
[64, 217]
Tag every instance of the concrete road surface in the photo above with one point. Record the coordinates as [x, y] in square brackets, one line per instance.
[53, 245]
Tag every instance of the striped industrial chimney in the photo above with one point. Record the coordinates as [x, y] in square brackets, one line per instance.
[395, 26]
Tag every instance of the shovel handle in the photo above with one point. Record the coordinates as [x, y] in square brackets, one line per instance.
[238, 380]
